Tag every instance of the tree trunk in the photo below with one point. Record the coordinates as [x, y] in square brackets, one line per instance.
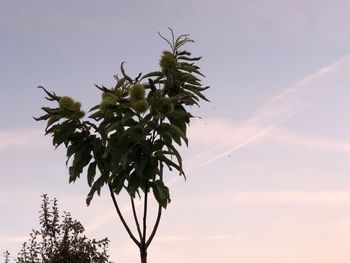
[143, 254]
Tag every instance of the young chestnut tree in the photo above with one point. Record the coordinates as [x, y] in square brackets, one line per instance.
[132, 133]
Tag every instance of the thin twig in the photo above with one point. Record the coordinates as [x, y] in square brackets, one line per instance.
[166, 40]
[121, 217]
[172, 36]
[135, 217]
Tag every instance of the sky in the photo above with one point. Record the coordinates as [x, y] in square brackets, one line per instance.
[268, 171]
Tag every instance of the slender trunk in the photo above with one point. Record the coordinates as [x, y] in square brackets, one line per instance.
[143, 249]
[143, 254]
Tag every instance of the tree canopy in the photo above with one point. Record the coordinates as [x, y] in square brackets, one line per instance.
[133, 129]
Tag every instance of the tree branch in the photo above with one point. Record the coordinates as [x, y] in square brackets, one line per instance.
[145, 217]
[159, 215]
[135, 217]
[121, 217]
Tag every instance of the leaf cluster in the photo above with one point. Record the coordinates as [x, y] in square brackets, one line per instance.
[133, 132]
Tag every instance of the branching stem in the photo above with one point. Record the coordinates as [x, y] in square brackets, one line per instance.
[121, 217]
[159, 214]
[135, 217]
[145, 218]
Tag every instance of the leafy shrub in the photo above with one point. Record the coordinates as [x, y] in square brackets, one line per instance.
[60, 241]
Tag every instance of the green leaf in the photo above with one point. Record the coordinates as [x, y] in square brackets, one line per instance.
[175, 132]
[43, 117]
[166, 136]
[161, 193]
[96, 187]
[76, 142]
[184, 53]
[173, 151]
[189, 58]
[162, 158]
[195, 91]
[81, 158]
[98, 115]
[178, 122]
[140, 164]
[190, 68]
[151, 168]
[189, 78]
[63, 132]
[133, 184]
[91, 173]
[153, 74]
[118, 182]
[95, 107]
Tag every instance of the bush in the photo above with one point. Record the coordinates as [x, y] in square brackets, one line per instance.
[60, 241]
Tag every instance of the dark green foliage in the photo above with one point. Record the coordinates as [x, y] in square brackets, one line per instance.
[60, 240]
[133, 131]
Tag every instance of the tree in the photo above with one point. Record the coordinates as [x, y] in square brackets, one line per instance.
[60, 241]
[131, 135]
[6, 255]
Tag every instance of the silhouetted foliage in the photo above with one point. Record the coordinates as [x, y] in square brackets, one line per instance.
[132, 133]
[60, 240]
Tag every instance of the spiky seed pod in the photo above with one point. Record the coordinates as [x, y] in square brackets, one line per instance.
[77, 110]
[66, 102]
[104, 95]
[167, 61]
[69, 108]
[113, 98]
[76, 106]
[137, 92]
[108, 101]
[140, 105]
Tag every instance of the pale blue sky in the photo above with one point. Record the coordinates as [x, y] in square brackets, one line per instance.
[268, 165]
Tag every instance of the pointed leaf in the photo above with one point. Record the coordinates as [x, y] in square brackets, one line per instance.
[153, 74]
[161, 193]
[91, 173]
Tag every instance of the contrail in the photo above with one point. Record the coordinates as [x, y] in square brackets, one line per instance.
[305, 94]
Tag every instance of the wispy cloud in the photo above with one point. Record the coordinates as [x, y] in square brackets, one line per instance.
[275, 198]
[13, 239]
[22, 138]
[220, 134]
[191, 238]
[305, 94]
